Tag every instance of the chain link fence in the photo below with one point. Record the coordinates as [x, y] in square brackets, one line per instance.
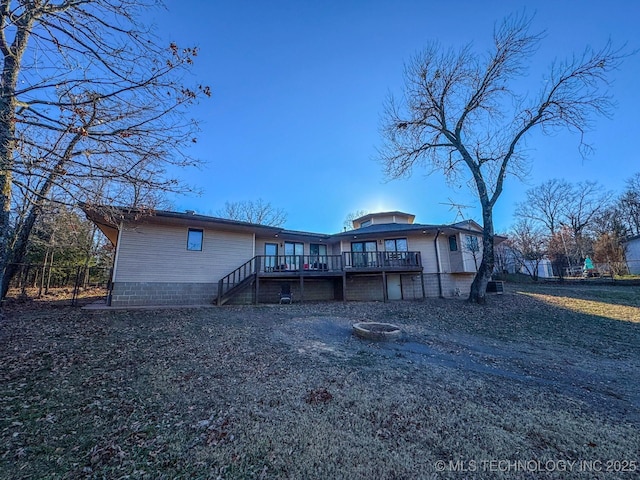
[36, 281]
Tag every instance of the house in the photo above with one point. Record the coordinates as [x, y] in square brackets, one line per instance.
[632, 254]
[168, 258]
[510, 261]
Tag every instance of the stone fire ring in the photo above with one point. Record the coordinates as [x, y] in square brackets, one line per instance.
[376, 331]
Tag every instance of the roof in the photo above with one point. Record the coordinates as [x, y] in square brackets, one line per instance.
[309, 236]
[377, 228]
[409, 216]
[383, 228]
[108, 219]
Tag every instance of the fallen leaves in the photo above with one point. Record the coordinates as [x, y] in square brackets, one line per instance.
[289, 392]
[319, 395]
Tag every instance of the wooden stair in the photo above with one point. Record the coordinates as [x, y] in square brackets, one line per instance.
[236, 281]
[236, 289]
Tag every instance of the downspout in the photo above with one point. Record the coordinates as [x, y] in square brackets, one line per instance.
[438, 269]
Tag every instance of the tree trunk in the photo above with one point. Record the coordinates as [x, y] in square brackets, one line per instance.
[12, 57]
[478, 293]
[7, 133]
[16, 253]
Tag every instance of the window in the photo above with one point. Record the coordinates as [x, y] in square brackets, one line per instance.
[471, 243]
[396, 245]
[293, 248]
[396, 252]
[317, 249]
[363, 254]
[318, 259]
[293, 252]
[194, 239]
[270, 256]
[453, 243]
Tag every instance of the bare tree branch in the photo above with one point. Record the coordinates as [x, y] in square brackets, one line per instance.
[100, 108]
[461, 114]
[258, 211]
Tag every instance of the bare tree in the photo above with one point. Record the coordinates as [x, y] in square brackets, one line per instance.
[608, 250]
[461, 115]
[586, 201]
[87, 96]
[503, 258]
[528, 245]
[472, 245]
[629, 205]
[559, 247]
[258, 211]
[351, 216]
[546, 203]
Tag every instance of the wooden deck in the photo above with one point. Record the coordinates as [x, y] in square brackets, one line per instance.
[332, 265]
[299, 267]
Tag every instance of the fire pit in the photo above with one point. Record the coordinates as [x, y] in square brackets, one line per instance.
[376, 331]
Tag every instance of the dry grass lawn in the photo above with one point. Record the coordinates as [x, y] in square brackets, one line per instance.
[540, 383]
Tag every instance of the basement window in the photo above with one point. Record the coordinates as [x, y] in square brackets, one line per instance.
[194, 239]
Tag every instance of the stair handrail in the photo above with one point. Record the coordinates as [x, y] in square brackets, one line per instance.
[248, 268]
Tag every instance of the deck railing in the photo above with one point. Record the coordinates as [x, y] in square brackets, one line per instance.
[382, 260]
[310, 264]
[236, 277]
[300, 263]
[333, 263]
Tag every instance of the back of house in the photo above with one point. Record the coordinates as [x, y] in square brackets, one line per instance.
[174, 258]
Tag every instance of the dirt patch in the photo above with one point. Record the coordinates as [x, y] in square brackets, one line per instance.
[289, 392]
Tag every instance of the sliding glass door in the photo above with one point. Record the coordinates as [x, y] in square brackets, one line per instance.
[293, 253]
[363, 254]
[270, 256]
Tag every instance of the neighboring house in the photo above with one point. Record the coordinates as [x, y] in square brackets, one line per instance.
[511, 262]
[632, 254]
[164, 258]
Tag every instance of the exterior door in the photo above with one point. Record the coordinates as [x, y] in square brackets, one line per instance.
[293, 252]
[270, 256]
[394, 287]
[364, 254]
[318, 259]
[396, 249]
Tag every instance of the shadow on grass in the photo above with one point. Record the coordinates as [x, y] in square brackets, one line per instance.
[611, 303]
[57, 298]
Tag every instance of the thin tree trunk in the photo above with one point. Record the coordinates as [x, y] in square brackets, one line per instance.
[46, 290]
[44, 271]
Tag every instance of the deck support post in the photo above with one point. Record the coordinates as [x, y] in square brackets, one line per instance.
[384, 287]
[301, 288]
[422, 282]
[257, 289]
[344, 286]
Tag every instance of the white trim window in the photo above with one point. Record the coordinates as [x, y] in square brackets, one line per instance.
[195, 238]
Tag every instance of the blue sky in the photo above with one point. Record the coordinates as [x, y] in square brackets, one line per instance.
[298, 90]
